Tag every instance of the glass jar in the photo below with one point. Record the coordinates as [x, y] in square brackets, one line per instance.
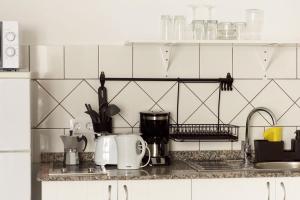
[198, 29]
[240, 30]
[226, 31]
[255, 21]
[211, 30]
[166, 27]
[179, 27]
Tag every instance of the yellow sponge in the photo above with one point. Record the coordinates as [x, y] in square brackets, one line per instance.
[273, 134]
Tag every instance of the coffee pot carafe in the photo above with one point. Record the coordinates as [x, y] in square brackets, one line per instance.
[73, 145]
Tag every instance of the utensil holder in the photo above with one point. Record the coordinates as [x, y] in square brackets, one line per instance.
[103, 126]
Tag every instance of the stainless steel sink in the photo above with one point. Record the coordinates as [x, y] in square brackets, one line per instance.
[277, 165]
[216, 165]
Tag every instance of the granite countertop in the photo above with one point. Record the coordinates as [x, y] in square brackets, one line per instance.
[179, 169]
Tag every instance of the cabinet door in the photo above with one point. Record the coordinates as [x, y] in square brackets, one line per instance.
[79, 190]
[233, 189]
[102, 190]
[64, 190]
[287, 188]
[154, 190]
[15, 176]
[14, 114]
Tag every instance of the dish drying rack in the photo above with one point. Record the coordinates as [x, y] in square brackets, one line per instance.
[197, 132]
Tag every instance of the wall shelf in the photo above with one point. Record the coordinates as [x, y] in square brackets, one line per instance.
[212, 42]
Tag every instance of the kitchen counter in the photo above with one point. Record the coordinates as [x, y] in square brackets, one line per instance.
[177, 170]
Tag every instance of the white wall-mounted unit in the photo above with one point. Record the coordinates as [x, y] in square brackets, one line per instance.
[9, 45]
[15, 170]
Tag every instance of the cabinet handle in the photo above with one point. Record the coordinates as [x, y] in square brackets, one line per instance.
[284, 190]
[109, 192]
[126, 191]
[268, 186]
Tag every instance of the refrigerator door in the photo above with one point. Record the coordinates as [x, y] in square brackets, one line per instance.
[14, 114]
[15, 180]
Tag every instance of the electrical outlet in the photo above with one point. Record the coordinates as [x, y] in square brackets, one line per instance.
[82, 125]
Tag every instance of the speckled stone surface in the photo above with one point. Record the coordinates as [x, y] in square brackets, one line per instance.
[181, 168]
[206, 155]
[59, 157]
[177, 170]
[175, 155]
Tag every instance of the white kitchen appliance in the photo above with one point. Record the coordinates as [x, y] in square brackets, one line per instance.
[15, 156]
[106, 150]
[131, 150]
[9, 45]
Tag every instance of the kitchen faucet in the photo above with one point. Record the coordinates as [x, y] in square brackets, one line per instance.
[246, 146]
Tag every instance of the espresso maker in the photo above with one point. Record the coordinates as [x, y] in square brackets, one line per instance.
[72, 146]
[154, 127]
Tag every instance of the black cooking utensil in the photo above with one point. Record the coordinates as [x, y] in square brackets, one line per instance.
[93, 114]
[87, 107]
[112, 110]
[102, 98]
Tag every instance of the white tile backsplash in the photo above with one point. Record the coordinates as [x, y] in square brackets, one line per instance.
[214, 146]
[251, 61]
[184, 61]
[298, 61]
[81, 61]
[41, 104]
[129, 101]
[46, 141]
[58, 118]
[47, 62]
[273, 98]
[59, 89]
[116, 60]
[188, 103]
[198, 102]
[24, 58]
[215, 61]
[291, 117]
[291, 87]
[184, 146]
[75, 102]
[283, 64]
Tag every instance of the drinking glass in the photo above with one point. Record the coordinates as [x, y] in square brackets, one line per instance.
[255, 21]
[198, 29]
[211, 29]
[179, 27]
[166, 27]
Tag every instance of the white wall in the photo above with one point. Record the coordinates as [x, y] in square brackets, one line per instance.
[114, 21]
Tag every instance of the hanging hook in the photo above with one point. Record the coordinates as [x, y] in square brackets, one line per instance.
[102, 79]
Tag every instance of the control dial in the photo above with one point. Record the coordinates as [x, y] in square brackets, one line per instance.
[10, 51]
[10, 36]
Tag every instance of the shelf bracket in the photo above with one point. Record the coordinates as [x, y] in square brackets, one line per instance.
[267, 55]
[166, 53]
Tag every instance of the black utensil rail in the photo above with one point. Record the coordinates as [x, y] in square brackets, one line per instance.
[196, 132]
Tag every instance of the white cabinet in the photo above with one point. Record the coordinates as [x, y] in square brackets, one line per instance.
[154, 190]
[15, 114]
[179, 189]
[287, 188]
[79, 190]
[15, 176]
[102, 190]
[233, 189]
